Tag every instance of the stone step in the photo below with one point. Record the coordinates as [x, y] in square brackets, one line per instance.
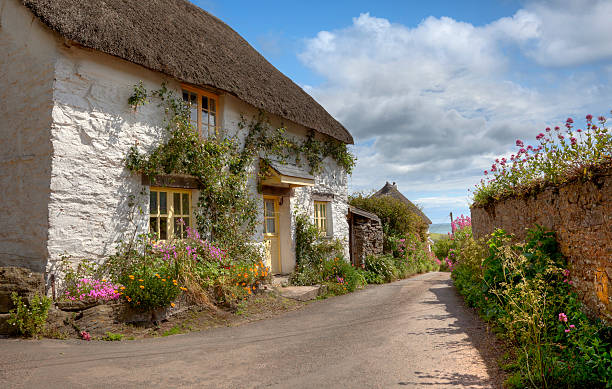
[302, 293]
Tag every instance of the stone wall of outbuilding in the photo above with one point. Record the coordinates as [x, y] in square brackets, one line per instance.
[580, 213]
[367, 238]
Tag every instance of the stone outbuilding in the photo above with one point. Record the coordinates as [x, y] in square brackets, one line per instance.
[68, 69]
[365, 235]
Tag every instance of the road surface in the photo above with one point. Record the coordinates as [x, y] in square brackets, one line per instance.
[410, 333]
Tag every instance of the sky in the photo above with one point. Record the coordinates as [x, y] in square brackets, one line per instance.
[434, 91]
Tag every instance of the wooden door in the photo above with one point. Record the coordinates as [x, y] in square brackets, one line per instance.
[271, 232]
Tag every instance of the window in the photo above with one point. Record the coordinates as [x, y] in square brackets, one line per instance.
[320, 216]
[203, 107]
[169, 213]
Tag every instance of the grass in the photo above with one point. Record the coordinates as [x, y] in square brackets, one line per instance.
[436, 237]
[113, 337]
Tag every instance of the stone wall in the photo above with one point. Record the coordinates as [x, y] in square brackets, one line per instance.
[581, 215]
[367, 239]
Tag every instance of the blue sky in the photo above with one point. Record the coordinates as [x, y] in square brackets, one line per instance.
[434, 91]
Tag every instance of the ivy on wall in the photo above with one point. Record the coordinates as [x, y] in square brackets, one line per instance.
[227, 211]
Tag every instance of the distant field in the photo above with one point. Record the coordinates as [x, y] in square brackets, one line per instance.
[436, 237]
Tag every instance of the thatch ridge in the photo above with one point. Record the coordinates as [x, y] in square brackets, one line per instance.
[181, 40]
[391, 190]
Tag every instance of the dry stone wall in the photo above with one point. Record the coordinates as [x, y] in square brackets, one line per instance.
[581, 215]
[368, 239]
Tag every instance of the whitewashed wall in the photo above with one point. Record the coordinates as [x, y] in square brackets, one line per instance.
[27, 58]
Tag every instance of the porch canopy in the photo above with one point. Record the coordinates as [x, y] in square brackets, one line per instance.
[286, 175]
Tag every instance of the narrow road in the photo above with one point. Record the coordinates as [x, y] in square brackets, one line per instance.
[411, 333]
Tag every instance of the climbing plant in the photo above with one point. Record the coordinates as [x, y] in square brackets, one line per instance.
[227, 210]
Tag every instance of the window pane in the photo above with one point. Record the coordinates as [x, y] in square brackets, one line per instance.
[153, 203]
[269, 208]
[204, 103]
[204, 119]
[153, 225]
[163, 228]
[177, 204]
[270, 226]
[185, 209]
[163, 206]
[213, 108]
[178, 228]
[185, 96]
[212, 120]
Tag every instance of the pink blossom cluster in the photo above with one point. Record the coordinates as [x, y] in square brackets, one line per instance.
[563, 319]
[193, 247]
[460, 223]
[92, 289]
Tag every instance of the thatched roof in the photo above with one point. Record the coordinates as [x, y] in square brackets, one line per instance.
[391, 190]
[181, 40]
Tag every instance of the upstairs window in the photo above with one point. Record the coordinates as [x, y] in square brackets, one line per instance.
[169, 213]
[203, 107]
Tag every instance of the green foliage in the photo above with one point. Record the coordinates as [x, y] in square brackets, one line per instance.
[173, 331]
[342, 276]
[29, 319]
[398, 220]
[148, 288]
[275, 142]
[524, 289]
[381, 265]
[112, 337]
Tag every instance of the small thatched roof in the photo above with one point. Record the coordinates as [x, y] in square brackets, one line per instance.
[391, 190]
[179, 39]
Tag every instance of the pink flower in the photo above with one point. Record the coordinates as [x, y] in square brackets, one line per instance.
[567, 330]
[589, 117]
[563, 317]
[541, 135]
[573, 140]
[519, 143]
[85, 335]
[572, 326]
[579, 130]
[547, 129]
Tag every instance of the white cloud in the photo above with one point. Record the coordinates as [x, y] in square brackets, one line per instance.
[431, 106]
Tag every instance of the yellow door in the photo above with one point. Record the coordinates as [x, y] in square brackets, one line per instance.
[271, 233]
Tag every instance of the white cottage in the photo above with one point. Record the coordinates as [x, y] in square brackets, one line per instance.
[67, 70]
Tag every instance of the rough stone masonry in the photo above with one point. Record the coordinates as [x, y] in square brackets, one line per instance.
[580, 212]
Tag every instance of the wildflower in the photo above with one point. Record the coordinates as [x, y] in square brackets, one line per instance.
[122, 288]
[589, 117]
[141, 286]
[519, 143]
[131, 277]
[141, 280]
[172, 305]
[163, 280]
[567, 330]
[563, 317]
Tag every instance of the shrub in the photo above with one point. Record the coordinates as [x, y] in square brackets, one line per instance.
[524, 289]
[397, 218]
[340, 273]
[382, 265]
[148, 288]
[29, 319]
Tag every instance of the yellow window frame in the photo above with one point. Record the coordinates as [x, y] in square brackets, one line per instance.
[167, 225]
[275, 213]
[210, 130]
[320, 216]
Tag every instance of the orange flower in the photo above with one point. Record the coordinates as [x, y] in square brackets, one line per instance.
[172, 305]
[131, 277]
[250, 291]
[122, 288]
[141, 280]
[141, 286]
[163, 280]
[156, 275]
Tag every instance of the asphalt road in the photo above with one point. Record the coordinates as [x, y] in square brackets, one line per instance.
[411, 333]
